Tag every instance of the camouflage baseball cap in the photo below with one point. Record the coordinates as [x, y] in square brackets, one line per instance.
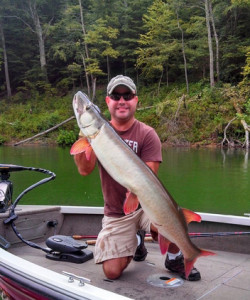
[121, 80]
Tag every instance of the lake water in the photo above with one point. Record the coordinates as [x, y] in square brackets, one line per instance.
[203, 180]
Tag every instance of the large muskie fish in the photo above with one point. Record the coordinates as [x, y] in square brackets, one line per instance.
[121, 162]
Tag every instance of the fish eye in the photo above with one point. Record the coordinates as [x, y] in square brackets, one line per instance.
[88, 107]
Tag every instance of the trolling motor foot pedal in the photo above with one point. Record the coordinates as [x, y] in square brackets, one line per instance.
[65, 248]
[77, 257]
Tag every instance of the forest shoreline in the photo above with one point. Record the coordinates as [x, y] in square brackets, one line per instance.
[52, 143]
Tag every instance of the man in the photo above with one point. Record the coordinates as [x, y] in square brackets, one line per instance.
[117, 243]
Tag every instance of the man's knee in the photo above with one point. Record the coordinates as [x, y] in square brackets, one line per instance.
[112, 273]
[113, 268]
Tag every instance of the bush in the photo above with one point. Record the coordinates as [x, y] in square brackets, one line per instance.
[2, 140]
[49, 120]
[66, 138]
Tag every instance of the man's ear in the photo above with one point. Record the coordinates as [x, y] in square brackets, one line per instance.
[107, 99]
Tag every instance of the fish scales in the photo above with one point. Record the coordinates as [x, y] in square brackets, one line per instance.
[114, 154]
[143, 183]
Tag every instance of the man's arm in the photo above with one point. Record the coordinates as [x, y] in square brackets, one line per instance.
[154, 166]
[85, 167]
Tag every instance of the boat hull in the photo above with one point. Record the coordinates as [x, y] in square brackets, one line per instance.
[27, 267]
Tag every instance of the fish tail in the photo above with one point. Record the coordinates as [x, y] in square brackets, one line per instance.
[189, 264]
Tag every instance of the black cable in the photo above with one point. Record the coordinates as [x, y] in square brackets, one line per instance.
[12, 216]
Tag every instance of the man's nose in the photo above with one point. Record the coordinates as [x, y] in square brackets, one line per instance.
[122, 100]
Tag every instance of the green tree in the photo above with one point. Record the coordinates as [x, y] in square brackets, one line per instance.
[99, 38]
[38, 15]
[160, 46]
[75, 42]
[4, 8]
[84, 43]
[130, 24]
[67, 51]
[232, 18]
[150, 57]
[5, 59]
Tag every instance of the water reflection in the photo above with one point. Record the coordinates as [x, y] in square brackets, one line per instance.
[235, 152]
[205, 180]
[245, 164]
[208, 180]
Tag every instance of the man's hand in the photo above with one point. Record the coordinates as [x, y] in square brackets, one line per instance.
[85, 165]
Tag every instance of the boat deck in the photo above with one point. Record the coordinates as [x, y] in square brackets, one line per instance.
[224, 276]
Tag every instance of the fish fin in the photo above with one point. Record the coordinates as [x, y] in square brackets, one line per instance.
[88, 152]
[190, 263]
[164, 243]
[191, 216]
[131, 203]
[81, 145]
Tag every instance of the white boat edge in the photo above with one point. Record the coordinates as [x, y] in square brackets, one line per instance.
[208, 217]
[55, 280]
[98, 210]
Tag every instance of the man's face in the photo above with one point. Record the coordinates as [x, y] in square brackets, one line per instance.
[122, 110]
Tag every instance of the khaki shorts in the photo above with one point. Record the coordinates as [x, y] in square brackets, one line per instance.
[118, 236]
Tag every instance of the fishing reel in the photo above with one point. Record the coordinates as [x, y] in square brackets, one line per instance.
[6, 186]
[6, 189]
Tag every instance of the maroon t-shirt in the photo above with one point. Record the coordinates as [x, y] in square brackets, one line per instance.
[146, 144]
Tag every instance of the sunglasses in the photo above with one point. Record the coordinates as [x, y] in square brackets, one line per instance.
[126, 96]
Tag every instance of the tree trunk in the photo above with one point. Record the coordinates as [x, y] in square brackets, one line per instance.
[216, 41]
[108, 68]
[225, 139]
[167, 75]
[39, 33]
[159, 84]
[87, 55]
[182, 99]
[93, 88]
[183, 52]
[6, 67]
[210, 46]
[86, 74]
[244, 124]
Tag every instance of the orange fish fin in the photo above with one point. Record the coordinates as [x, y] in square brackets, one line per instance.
[190, 216]
[131, 203]
[190, 263]
[88, 152]
[164, 243]
[81, 145]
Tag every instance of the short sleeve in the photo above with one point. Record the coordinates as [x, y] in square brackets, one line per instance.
[151, 149]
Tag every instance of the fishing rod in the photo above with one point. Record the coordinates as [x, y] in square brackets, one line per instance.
[212, 234]
[148, 237]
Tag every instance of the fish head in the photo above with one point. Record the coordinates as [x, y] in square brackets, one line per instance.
[87, 114]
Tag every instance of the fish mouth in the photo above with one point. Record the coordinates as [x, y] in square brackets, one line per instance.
[86, 126]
